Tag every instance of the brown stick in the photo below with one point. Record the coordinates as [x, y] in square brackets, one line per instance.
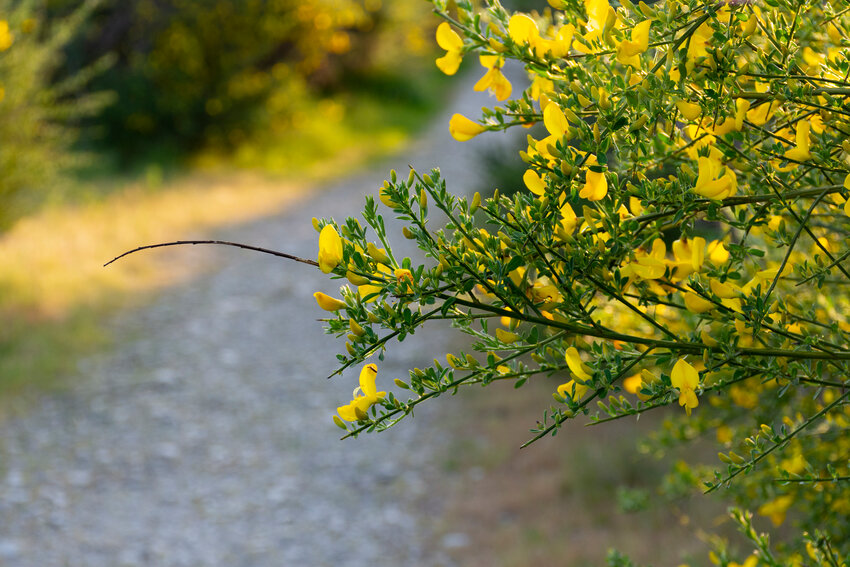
[221, 242]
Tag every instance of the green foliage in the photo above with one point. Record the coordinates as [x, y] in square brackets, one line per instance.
[658, 119]
[38, 118]
[195, 73]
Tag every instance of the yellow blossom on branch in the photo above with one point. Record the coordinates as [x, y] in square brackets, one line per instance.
[685, 378]
[595, 184]
[689, 256]
[364, 397]
[330, 249]
[523, 30]
[577, 367]
[493, 79]
[327, 302]
[463, 129]
[713, 182]
[689, 110]
[800, 152]
[449, 40]
[534, 182]
[629, 49]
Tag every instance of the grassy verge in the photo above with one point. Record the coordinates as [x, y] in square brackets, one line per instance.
[55, 292]
[557, 502]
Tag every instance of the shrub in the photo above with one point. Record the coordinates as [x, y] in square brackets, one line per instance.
[680, 241]
[194, 73]
[38, 118]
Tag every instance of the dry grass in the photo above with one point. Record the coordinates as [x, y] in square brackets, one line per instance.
[56, 294]
[53, 262]
[554, 503]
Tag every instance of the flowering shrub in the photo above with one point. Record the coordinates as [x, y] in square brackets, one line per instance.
[680, 241]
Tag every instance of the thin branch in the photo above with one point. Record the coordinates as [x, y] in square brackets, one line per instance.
[220, 242]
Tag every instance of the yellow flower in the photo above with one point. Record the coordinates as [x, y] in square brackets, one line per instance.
[370, 291]
[522, 29]
[776, 509]
[558, 127]
[364, 397]
[404, 278]
[330, 249]
[717, 253]
[696, 304]
[449, 40]
[698, 44]
[689, 110]
[762, 113]
[542, 291]
[6, 36]
[633, 383]
[595, 183]
[685, 378]
[493, 79]
[568, 222]
[534, 182]
[575, 390]
[724, 434]
[629, 49]
[742, 106]
[540, 87]
[379, 255]
[560, 46]
[801, 151]
[506, 336]
[724, 290]
[689, 256]
[600, 16]
[577, 367]
[463, 129]
[712, 182]
[555, 120]
[327, 302]
[752, 560]
[648, 265]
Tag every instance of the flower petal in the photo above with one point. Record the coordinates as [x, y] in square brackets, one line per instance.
[330, 249]
[447, 38]
[577, 367]
[463, 129]
[684, 376]
[367, 380]
[450, 62]
[327, 302]
[534, 182]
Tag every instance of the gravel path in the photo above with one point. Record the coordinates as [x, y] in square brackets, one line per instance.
[204, 438]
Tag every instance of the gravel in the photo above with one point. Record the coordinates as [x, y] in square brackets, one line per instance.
[204, 437]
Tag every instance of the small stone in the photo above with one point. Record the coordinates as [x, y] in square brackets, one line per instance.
[455, 540]
[9, 549]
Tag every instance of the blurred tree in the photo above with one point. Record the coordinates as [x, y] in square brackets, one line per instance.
[39, 117]
[194, 71]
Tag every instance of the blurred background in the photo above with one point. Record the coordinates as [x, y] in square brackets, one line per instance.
[164, 411]
[131, 121]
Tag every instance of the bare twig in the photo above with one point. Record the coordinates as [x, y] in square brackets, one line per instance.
[220, 242]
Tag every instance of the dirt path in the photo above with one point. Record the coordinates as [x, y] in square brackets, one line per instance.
[205, 437]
